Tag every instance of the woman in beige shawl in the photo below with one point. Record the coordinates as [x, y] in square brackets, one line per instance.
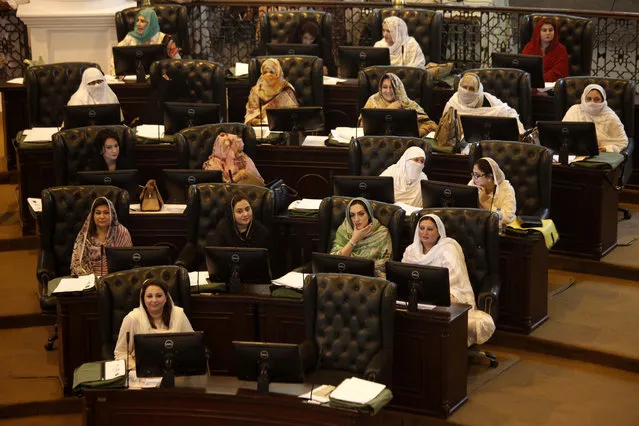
[270, 91]
[392, 95]
[228, 157]
[495, 192]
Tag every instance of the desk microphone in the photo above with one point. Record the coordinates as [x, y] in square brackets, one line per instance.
[126, 360]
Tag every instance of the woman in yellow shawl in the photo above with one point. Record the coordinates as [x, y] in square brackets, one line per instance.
[270, 91]
[392, 95]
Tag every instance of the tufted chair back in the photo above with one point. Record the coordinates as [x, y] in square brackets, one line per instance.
[49, 88]
[119, 294]
[371, 155]
[510, 85]
[332, 213]
[350, 324]
[172, 18]
[305, 73]
[195, 144]
[477, 232]
[74, 149]
[64, 210]
[205, 80]
[575, 33]
[417, 81]
[424, 25]
[528, 168]
[207, 203]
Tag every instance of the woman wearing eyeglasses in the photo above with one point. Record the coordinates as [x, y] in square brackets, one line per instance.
[495, 192]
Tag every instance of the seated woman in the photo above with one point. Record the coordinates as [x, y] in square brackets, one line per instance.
[392, 95]
[545, 42]
[594, 108]
[93, 90]
[431, 247]
[407, 175]
[470, 99]
[404, 50]
[238, 228]
[107, 147]
[270, 91]
[101, 229]
[361, 235]
[156, 314]
[308, 32]
[228, 156]
[147, 31]
[495, 192]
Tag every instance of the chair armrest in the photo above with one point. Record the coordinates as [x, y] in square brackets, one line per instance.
[488, 300]
[629, 149]
[46, 270]
[188, 257]
[380, 367]
[310, 355]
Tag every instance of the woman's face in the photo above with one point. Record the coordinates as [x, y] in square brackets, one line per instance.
[547, 33]
[419, 160]
[308, 38]
[594, 96]
[359, 216]
[154, 300]
[480, 178]
[111, 149]
[242, 213]
[428, 233]
[468, 86]
[388, 38]
[102, 216]
[141, 24]
[387, 90]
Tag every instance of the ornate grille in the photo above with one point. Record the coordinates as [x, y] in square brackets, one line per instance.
[14, 45]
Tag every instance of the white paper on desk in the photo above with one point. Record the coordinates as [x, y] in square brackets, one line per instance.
[571, 158]
[150, 131]
[17, 80]
[293, 280]
[261, 132]
[332, 81]
[198, 278]
[314, 141]
[306, 204]
[136, 382]
[357, 391]
[241, 68]
[166, 209]
[133, 78]
[431, 135]
[83, 282]
[547, 86]
[420, 306]
[113, 369]
[344, 134]
[111, 79]
[319, 394]
[407, 207]
[40, 134]
[36, 204]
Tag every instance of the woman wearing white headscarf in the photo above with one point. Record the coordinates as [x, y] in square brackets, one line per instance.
[594, 108]
[93, 90]
[404, 50]
[407, 175]
[432, 247]
[470, 99]
[495, 192]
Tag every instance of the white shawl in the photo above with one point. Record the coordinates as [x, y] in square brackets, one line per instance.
[137, 322]
[447, 253]
[93, 95]
[611, 135]
[407, 177]
[504, 196]
[405, 50]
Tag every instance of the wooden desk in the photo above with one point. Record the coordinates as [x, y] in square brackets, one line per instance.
[223, 400]
[430, 346]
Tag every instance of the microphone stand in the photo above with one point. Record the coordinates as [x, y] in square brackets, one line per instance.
[126, 360]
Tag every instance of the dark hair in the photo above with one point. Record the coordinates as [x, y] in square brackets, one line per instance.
[360, 203]
[310, 26]
[239, 197]
[484, 166]
[102, 137]
[101, 201]
[166, 311]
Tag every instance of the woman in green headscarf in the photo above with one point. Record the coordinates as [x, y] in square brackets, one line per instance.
[146, 31]
[361, 235]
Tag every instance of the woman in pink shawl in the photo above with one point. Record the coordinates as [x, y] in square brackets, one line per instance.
[228, 156]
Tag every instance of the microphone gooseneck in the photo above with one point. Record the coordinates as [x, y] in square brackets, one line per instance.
[126, 360]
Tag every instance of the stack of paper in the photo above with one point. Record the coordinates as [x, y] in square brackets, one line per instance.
[420, 306]
[261, 132]
[241, 68]
[292, 279]
[198, 278]
[332, 81]
[357, 391]
[319, 394]
[150, 131]
[40, 134]
[166, 209]
[314, 141]
[306, 204]
[35, 204]
[571, 158]
[344, 134]
[113, 369]
[17, 80]
[82, 283]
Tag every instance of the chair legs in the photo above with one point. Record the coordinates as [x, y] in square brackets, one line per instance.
[52, 339]
[626, 213]
[474, 353]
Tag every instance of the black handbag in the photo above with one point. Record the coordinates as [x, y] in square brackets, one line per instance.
[283, 195]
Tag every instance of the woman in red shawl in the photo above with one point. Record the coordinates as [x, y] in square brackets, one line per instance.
[545, 42]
